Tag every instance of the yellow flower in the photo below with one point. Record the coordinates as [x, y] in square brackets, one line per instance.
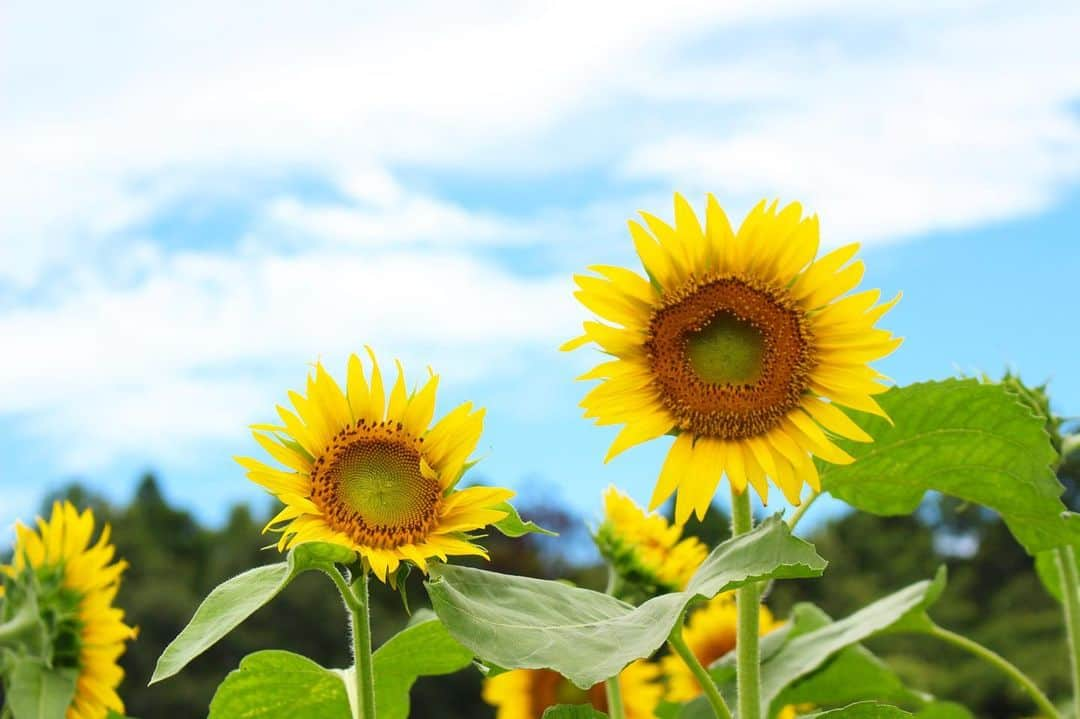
[741, 344]
[644, 549]
[61, 550]
[710, 634]
[526, 693]
[367, 472]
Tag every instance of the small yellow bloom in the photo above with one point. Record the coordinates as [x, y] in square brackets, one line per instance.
[526, 693]
[644, 549]
[61, 547]
[742, 344]
[710, 634]
[366, 470]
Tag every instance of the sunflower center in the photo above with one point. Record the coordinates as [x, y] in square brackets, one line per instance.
[728, 350]
[370, 486]
[730, 357]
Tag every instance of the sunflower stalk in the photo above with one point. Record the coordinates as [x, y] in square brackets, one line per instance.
[614, 698]
[748, 651]
[356, 598]
[708, 686]
[1070, 596]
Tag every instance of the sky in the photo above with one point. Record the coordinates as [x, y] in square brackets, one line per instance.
[198, 200]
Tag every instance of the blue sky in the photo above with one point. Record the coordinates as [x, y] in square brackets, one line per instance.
[195, 203]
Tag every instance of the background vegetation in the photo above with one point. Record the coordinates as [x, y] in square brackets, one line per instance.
[993, 596]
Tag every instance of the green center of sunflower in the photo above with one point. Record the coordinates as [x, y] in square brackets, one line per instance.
[730, 357]
[728, 350]
[370, 486]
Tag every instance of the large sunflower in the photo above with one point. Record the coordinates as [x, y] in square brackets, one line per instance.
[79, 581]
[740, 344]
[645, 549]
[526, 693]
[710, 634]
[367, 472]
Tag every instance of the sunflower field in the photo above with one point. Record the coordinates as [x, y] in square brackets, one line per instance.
[391, 580]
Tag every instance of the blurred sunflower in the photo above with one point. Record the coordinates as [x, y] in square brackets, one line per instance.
[738, 343]
[644, 549]
[367, 472]
[526, 693]
[75, 583]
[710, 634]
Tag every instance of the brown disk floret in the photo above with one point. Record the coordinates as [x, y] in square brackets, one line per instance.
[369, 485]
[730, 410]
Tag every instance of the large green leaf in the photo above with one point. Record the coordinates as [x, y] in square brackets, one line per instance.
[517, 622]
[38, 692]
[902, 611]
[233, 601]
[280, 685]
[863, 710]
[573, 711]
[963, 438]
[944, 710]
[422, 649]
[851, 675]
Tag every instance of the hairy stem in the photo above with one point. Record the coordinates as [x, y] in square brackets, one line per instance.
[614, 698]
[1070, 602]
[678, 643]
[1046, 707]
[356, 598]
[748, 651]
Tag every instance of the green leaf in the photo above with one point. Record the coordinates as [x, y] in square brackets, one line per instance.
[38, 692]
[573, 711]
[233, 601]
[966, 439]
[422, 649]
[518, 622]
[863, 710]
[944, 710]
[280, 685]
[851, 675]
[512, 525]
[902, 611]
[1046, 567]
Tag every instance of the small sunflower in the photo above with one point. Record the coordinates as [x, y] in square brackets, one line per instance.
[78, 581]
[644, 549]
[367, 472]
[526, 693]
[742, 344]
[710, 634]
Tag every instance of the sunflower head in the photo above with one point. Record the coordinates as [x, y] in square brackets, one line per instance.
[527, 693]
[367, 470]
[70, 582]
[710, 634]
[744, 345]
[648, 554]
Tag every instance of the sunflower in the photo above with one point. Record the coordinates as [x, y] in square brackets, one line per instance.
[526, 693]
[710, 634]
[77, 582]
[367, 472]
[644, 549]
[740, 344]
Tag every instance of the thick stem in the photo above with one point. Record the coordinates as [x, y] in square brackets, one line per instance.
[361, 621]
[748, 651]
[1070, 601]
[614, 698]
[678, 643]
[1046, 707]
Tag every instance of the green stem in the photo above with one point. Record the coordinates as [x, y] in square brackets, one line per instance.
[1003, 664]
[1070, 596]
[678, 643]
[801, 510]
[614, 698]
[361, 624]
[748, 651]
